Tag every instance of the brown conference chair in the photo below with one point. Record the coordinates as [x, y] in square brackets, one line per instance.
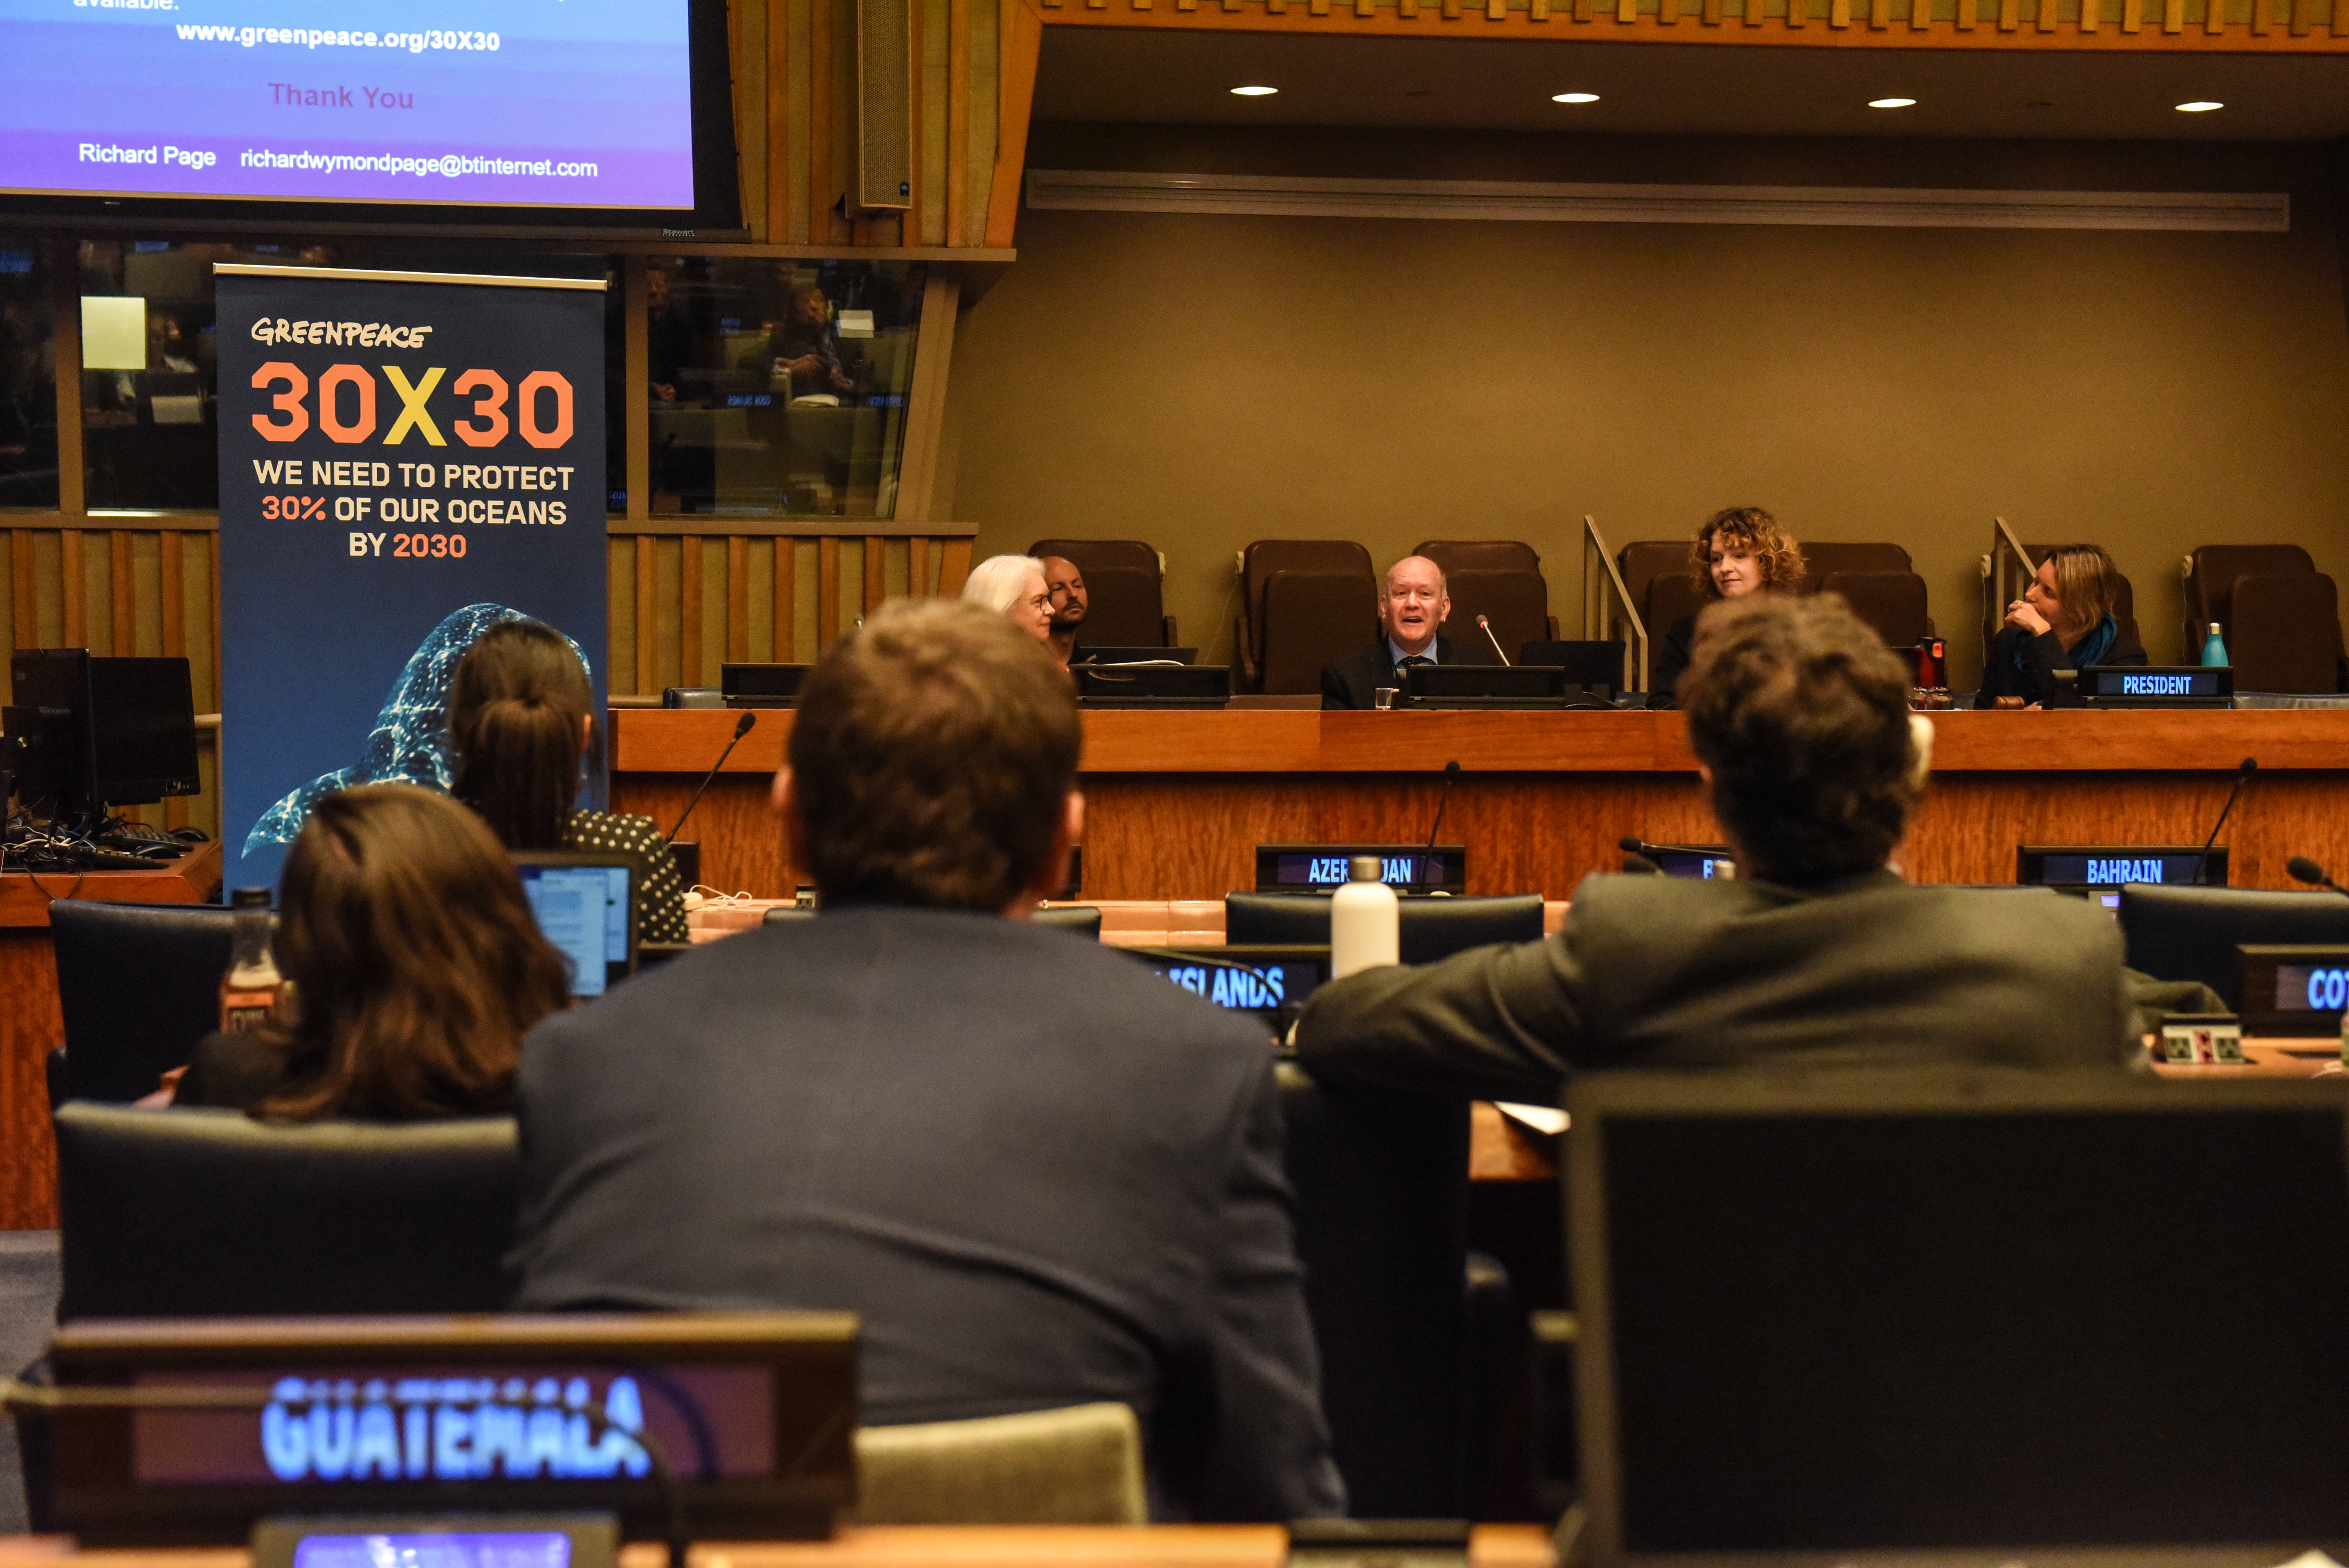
[1258, 562]
[1451, 555]
[1891, 603]
[1670, 597]
[1126, 596]
[1486, 558]
[1820, 561]
[1310, 619]
[1516, 602]
[1644, 562]
[2287, 633]
[2212, 573]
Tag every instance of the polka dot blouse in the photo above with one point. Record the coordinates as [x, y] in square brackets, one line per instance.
[661, 902]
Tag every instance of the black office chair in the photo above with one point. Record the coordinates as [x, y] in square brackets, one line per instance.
[1077, 919]
[1432, 928]
[209, 1214]
[1382, 1186]
[140, 986]
[2192, 933]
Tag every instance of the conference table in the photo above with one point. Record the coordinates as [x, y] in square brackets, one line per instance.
[1177, 800]
[899, 1546]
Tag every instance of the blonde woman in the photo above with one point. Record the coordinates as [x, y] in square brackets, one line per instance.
[2063, 621]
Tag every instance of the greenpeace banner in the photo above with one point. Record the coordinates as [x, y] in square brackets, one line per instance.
[407, 460]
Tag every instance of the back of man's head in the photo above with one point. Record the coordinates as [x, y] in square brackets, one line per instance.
[932, 756]
[1802, 715]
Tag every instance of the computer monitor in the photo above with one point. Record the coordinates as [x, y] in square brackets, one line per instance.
[754, 1414]
[586, 902]
[1959, 1317]
[2192, 933]
[86, 733]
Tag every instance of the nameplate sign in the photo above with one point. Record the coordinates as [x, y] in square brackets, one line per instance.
[2116, 866]
[1322, 868]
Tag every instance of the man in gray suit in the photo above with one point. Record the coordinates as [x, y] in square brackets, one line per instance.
[1042, 1175]
[1816, 953]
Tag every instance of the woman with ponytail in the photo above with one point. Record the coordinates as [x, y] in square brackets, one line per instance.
[521, 725]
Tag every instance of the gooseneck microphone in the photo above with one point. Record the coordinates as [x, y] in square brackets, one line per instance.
[2243, 772]
[2302, 869]
[1631, 846]
[1450, 777]
[740, 731]
[1489, 637]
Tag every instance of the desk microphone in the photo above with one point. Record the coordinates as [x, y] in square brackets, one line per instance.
[1631, 846]
[1487, 625]
[2302, 869]
[2243, 772]
[740, 729]
[1450, 777]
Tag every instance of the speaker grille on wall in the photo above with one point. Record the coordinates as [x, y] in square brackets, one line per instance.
[884, 104]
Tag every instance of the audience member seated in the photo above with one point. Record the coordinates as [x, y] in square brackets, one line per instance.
[521, 725]
[412, 964]
[1815, 953]
[1066, 585]
[1411, 609]
[1042, 1175]
[1738, 552]
[804, 346]
[1013, 586]
[2063, 622]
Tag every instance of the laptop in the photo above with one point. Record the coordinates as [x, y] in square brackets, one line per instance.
[1959, 1317]
[586, 902]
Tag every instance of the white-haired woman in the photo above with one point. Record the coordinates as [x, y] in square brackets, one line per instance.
[1013, 586]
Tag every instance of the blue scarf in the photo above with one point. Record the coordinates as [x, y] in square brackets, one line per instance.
[2092, 649]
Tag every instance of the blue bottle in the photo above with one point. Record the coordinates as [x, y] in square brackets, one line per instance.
[2214, 647]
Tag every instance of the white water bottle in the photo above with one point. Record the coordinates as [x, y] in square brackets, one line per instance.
[1365, 920]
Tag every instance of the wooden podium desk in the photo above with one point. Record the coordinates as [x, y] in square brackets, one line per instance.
[1177, 800]
[31, 1024]
[901, 1546]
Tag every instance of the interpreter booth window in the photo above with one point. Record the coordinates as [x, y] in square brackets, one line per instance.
[28, 380]
[150, 382]
[779, 387]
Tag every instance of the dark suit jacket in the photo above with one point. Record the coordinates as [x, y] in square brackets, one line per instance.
[1669, 662]
[2045, 656]
[1663, 971]
[1042, 1175]
[1354, 680]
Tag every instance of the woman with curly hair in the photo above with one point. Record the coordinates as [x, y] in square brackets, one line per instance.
[1738, 552]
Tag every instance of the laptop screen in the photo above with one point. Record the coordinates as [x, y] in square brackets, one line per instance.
[1966, 1328]
[584, 908]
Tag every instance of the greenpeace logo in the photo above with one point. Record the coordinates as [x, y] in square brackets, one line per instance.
[340, 334]
[451, 1428]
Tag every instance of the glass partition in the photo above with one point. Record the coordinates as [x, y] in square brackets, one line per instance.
[779, 386]
[149, 375]
[28, 380]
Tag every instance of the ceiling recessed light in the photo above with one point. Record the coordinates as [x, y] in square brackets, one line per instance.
[1892, 103]
[2200, 106]
[1254, 92]
[1573, 98]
